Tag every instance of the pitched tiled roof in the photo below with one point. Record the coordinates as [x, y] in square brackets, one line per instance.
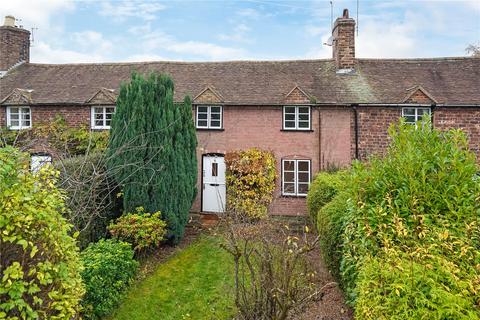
[449, 80]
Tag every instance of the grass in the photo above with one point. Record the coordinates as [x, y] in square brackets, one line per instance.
[195, 283]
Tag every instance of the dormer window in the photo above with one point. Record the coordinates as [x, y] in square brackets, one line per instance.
[19, 118]
[209, 117]
[296, 118]
[102, 117]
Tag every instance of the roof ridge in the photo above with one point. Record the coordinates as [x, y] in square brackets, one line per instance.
[174, 62]
[418, 59]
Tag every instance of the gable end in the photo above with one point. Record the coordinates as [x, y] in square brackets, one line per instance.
[419, 95]
[18, 96]
[297, 96]
[208, 95]
[103, 96]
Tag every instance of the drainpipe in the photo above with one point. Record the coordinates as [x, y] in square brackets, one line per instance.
[432, 108]
[355, 119]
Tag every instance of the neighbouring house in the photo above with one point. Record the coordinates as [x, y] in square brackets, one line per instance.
[313, 114]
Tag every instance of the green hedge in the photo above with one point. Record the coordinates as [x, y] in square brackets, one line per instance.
[322, 190]
[109, 267]
[408, 232]
[330, 229]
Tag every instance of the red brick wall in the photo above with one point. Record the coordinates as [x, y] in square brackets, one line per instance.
[336, 137]
[3, 117]
[467, 119]
[260, 127]
[73, 115]
[373, 123]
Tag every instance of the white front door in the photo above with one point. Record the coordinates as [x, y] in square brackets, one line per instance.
[214, 190]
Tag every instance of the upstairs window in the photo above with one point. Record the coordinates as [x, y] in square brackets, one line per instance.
[102, 117]
[19, 118]
[295, 177]
[412, 115]
[209, 117]
[296, 118]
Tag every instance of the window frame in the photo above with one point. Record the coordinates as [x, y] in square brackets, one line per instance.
[47, 159]
[20, 113]
[297, 119]
[295, 175]
[417, 117]
[209, 117]
[104, 119]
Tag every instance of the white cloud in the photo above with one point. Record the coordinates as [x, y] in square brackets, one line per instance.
[44, 53]
[36, 13]
[155, 41]
[378, 39]
[239, 34]
[121, 10]
[91, 41]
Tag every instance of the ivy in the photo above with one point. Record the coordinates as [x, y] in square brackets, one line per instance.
[63, 139]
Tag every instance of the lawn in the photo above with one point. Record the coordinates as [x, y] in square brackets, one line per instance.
[195, 283]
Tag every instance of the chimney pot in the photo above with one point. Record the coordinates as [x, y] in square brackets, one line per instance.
[9, 21]
[345, 13]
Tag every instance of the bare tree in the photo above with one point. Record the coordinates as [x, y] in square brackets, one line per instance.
[272, 276]
[473, 50]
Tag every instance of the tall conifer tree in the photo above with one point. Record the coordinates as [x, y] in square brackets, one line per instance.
[152, 150]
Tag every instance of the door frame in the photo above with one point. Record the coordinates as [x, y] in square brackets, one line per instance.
[209, 154]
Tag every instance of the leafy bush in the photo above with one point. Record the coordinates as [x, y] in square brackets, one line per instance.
[39, 266]
[109, 267]
[91, 195]
[142, 230]
[420, 206]
[322, 190]
[63, 139]
[410, 234]
[250, 180]
[330, 230]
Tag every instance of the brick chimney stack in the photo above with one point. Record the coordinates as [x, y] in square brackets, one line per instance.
[344, 43]
[14, 45]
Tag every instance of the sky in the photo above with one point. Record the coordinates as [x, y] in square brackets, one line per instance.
[128, 30]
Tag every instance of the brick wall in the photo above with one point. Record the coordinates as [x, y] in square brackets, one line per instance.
[73, 115]
[14, 46]
[467, 119]
[373, 123]
[247, 127]
[3, 116]
[336, 137]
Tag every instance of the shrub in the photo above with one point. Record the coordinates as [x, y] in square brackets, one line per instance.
[322, 190]
[250, 180]
[65, 141]
[330, 229]
[416, 212]
[40, 266]
[91, 195]
[109, 267]
[273, 277]
[142, 230]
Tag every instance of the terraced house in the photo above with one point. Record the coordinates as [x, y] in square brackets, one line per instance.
[312, 114]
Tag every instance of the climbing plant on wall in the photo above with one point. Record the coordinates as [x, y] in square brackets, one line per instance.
[250, 179]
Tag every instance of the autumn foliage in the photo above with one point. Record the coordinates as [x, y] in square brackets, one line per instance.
[250, 182]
